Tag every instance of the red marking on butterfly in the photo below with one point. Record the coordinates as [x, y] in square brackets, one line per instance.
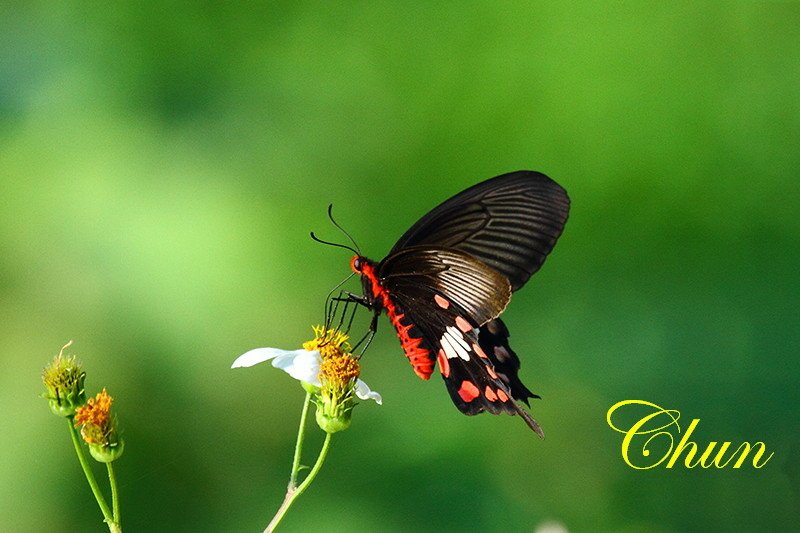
[463, 325]
[468, 391]
[457, 267]
[444, 365]
[441, 302]
[417, 353]
[478, 350]
[490, 394]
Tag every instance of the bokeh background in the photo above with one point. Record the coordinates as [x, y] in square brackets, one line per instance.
[162, 164]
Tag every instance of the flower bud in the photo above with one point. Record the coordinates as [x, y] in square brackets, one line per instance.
[105, 453]
[333, 423]
[335, 400]
[334, 410]
[64, 379]
[99, 428]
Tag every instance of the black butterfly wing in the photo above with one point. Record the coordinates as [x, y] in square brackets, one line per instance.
[493, 339]
[477, 383]
[509, 222]
[419, 273]
[444, 296]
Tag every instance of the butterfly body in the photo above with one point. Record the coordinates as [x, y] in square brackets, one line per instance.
[450, 276]
[418, 353]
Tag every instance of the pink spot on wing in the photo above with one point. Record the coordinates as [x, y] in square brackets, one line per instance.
[444, 364]
[478, 350]
[441, 302]
[502, 395]
[468, 391]
[491, 372]
[462, 324]
[489, 393]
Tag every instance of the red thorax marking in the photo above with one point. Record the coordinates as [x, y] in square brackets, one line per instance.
[418, 356]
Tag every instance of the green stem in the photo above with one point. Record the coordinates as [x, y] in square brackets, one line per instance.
[293, 492]
[101, 501]
[298, 447]
[112, 480]
[323, 453]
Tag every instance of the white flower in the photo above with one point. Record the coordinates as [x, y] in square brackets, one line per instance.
[365, 393]
[302, 365]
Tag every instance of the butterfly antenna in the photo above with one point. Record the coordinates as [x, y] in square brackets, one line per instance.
[330, 216]
[335, 244]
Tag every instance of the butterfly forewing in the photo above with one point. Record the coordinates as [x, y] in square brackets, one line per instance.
[418, 274]
[510, 222]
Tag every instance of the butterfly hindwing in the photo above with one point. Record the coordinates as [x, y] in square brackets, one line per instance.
[475, 385]
[493, 339]
[476, 380]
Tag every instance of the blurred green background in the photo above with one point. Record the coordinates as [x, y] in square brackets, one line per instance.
[161, 166]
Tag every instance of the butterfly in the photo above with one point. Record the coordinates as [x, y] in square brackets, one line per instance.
[446, 281]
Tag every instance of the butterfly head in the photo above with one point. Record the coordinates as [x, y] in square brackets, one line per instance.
[357, 264]
[374, 292]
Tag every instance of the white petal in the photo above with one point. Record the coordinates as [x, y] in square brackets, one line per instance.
[259, 355]
[363, 391]
[302, 365]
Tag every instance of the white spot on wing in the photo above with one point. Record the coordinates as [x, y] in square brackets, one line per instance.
[458, 336]
[449, 351]
[454, 344]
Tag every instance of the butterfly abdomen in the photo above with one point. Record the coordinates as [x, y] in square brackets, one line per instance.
[411, 340]
[410, 337]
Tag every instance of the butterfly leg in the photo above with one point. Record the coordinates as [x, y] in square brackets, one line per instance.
[357, 298]
[347, 314]
[346, 296]
[373, 328]
[332, 307]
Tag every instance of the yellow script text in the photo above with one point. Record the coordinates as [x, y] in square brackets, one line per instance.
[655, 430]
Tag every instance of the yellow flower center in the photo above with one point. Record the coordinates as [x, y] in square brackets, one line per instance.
[340, 369]
[96, 412]
[93, 434]
[63, 373]
[329, 342]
